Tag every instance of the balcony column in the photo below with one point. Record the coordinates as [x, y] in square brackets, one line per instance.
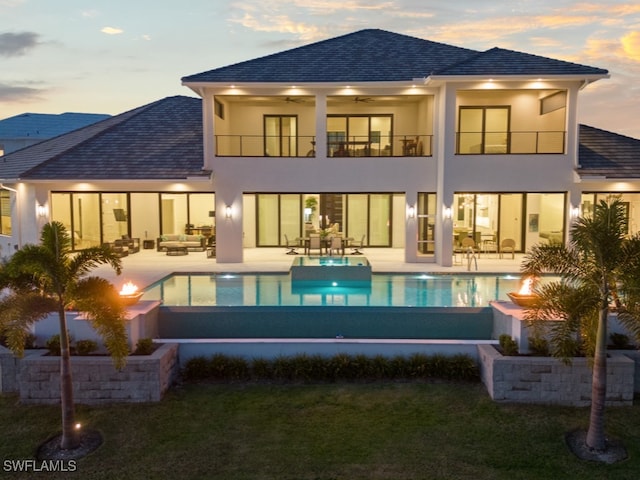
[208, 129]
[321, 124]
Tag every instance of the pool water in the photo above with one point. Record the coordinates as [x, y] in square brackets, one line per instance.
[384, 290]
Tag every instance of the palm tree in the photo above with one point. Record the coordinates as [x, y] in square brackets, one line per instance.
[41, 279]
[599, 266]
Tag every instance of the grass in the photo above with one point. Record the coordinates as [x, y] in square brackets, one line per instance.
[324, 432]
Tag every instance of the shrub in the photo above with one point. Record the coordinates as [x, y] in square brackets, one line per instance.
[196, 368]
[508, 345]
[144, 346]
[539, 346]
[86, 347]
[340, 367]
[53, 344]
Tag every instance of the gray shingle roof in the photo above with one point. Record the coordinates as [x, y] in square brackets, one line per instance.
[45, 125]
[498, 61]
[377, 56]
[363, 56]
[607, 154]
[161, 140]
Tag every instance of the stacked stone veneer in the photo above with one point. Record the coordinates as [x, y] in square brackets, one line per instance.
[145, 378]
[548, 381]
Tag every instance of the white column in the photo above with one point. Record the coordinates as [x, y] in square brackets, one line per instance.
[445, 133]
[321, 125]
[229, 248]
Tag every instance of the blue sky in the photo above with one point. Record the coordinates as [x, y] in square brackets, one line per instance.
[113, 55]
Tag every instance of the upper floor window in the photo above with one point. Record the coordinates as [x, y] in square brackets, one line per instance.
[5, 212]
[281, 135]
[483, 130]
[359, 135]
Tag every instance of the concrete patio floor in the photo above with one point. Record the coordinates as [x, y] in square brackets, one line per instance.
[148, 266]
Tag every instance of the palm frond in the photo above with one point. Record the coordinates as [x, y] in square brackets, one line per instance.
[18, 313]
[600, 237]
[560, 311]
[100, 302]
[550, 258]
[56, 239]
[88, 259]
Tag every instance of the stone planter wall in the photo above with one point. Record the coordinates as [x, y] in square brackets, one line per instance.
[145, 378]
[548, 381]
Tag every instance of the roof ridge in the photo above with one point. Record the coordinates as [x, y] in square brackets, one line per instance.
[474, 54]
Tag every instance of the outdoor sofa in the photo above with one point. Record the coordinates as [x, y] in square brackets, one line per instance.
[193, 243]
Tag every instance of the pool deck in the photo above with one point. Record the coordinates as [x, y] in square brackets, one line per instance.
[148, 266]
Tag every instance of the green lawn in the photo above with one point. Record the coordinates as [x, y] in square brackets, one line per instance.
[329, 431]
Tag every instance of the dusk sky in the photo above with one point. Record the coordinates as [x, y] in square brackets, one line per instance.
[111, 56]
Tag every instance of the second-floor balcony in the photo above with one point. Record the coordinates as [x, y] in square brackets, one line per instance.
[337, 146]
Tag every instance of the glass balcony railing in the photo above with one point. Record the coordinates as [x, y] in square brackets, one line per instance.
[337, 146]
[493, 143]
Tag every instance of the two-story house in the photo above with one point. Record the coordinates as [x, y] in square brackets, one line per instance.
[391, 140]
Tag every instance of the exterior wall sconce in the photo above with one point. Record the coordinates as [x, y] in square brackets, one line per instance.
[227, 211]
[447, 213]
[41, 210]
[411, 212]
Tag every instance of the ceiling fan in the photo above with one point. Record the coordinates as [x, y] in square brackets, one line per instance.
[294, 100]
[363, 99]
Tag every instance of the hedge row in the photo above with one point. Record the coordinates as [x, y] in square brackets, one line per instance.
[341, 367]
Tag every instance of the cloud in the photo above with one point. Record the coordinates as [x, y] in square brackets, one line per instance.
[17, 44]
[281, 24]
[112, 30]
[19, 94]
[631, 45]
[90, 13]
[302, 18]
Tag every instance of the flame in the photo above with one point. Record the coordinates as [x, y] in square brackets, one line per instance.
[128, 289]
[526, 286]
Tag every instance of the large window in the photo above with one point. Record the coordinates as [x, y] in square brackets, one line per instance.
[631, 201]
[426, 223]
[5, 212]
[483, 130]
[281, 135]
[96, 218]
[490, 218]
[278, 215]
[359, 135]
[295, 215]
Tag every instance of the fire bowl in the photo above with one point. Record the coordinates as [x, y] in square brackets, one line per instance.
[522, 300]
[131, 299]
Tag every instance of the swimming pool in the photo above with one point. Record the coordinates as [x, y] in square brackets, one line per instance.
[384, 290]
[390, 306]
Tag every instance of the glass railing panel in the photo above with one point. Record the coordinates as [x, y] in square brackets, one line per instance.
[495, 143]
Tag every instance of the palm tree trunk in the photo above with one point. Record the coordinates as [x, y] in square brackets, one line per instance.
[69, 434]
[596, 439]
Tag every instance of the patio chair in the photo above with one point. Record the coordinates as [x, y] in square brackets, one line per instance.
[356, 245]
[291, 245]
[314, 242]
[508, 245]
[336, 245]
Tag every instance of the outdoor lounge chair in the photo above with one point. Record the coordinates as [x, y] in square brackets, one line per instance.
[356, 245]
[291, 245]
